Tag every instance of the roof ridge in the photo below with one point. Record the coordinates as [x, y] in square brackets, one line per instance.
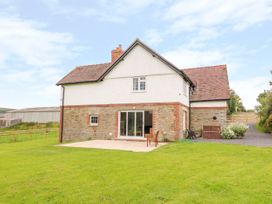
[79, 66]
[212, 66]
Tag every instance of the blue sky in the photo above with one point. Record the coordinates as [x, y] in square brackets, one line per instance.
[42, 40]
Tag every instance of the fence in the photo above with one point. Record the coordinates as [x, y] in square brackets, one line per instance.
[24, 135]
[4, 122]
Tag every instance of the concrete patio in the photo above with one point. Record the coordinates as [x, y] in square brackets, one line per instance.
[115, 145]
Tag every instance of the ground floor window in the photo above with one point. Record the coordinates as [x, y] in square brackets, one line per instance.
[134, 123]
[93, 120]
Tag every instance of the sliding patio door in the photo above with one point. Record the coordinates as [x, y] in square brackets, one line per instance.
[131, 123]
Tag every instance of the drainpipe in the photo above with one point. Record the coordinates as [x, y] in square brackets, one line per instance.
[62, 115]
[190, 109]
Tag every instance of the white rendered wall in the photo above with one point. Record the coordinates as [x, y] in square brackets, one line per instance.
[162, 83]
[209, 104]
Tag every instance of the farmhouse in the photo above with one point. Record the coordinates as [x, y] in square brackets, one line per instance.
[139, 90]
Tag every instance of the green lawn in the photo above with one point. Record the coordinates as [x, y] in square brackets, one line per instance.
[36, 171]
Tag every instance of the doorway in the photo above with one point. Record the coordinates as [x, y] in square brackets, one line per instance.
[134, 124]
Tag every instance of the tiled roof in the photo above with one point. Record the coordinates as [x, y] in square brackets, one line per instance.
[87, 73]
[211, 83]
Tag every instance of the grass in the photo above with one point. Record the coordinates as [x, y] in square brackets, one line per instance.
[37, 171]
[31, 125]
[10, 137]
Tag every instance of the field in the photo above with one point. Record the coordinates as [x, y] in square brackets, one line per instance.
[34, 170]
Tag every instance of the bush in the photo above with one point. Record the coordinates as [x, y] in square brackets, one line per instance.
[239, 129]
[227, 133]
[233, 131]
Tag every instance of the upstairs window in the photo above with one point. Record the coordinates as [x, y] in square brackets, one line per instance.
[139, 84]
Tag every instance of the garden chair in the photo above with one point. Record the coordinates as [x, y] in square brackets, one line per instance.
[190, 134]
[151, 137]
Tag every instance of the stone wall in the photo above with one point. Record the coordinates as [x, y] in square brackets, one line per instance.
[208, 116]
[166, 118]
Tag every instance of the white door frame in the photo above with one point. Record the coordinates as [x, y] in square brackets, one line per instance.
[135, 118]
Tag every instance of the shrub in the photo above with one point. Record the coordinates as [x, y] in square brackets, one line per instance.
[239, 129]
[236, 130]
[227, 133]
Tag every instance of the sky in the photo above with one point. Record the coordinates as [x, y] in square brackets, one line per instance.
[42, 40]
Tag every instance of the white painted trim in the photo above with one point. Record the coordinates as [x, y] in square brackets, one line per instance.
[206, 104]
[119, 122]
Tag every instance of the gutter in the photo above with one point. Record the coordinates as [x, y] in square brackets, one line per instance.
[62, 115]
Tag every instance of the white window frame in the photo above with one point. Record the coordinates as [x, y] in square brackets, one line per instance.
[91, 120]
[119, 128]
[140, 80]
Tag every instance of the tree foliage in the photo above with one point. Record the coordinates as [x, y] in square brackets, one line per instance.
[235, 103]
[264, 109]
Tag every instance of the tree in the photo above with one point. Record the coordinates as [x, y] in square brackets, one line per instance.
[265, 109]
[235, 103]
[270, 81]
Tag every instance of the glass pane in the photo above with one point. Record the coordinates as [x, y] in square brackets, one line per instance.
[139, 124]
[142, 85]
[135, 84]
[131, 123]
[123, 124]
[148, 121]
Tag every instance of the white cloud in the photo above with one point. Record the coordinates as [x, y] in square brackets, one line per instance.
[196, 14]
[153, 37]
[249, 89]
[30, 59]
[184, 57]
[105, 10]
[31, 44]
[195, 55]
[51, 3]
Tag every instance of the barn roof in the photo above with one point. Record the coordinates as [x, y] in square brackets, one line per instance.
[36, 109]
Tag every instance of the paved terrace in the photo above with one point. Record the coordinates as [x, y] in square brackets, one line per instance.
[115, 145]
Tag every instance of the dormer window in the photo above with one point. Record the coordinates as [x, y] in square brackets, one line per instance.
[139, 84]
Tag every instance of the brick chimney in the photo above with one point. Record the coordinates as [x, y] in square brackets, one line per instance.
[117, 52]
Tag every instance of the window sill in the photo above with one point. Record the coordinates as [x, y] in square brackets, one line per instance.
[131, 138]
[138, 92]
